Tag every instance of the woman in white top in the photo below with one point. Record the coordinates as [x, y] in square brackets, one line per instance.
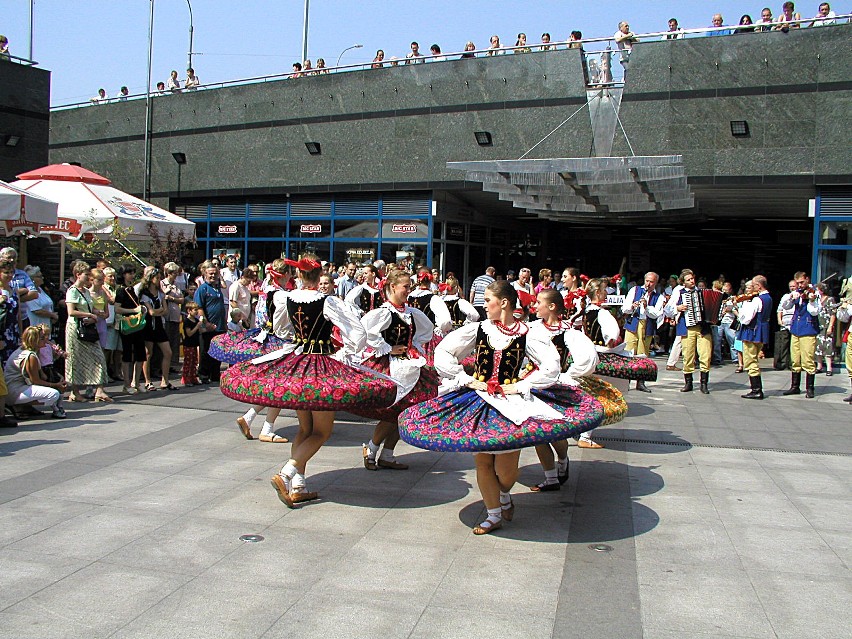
[26, 382]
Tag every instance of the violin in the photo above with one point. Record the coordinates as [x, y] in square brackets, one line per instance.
[736, 299]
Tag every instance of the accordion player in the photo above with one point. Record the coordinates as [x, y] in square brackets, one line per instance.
[702, 307]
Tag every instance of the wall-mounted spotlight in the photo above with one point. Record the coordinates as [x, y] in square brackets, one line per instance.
[739, 129]
[483, 138]
[179, 157]
[314, 148]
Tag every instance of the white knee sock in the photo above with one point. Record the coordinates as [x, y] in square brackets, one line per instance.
[298, 482]
[562, 465]
[505, 499]
[250, 414]
[551, 477]
[372, 449]
[494, 516]
[289, 470]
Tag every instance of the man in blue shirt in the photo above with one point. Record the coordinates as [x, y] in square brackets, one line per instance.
[210, 300]
[718, 21]
[21, 282]
[477, 290]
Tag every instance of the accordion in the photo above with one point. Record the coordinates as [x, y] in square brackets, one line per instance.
[702, 306]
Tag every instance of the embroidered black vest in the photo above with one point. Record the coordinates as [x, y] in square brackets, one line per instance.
[565, 359]
[270, 311]
[458, 315]
[421, 303]
[312, 330]
[367, 301]
[508, 360]
[398, 333]
[592, 328]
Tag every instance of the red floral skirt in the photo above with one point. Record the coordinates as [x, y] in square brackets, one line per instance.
[429, 349]
[233, 348]
[461, 421]
[426, 388]
[306, 382]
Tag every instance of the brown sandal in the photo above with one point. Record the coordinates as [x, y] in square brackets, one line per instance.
[486, 527]
[393, 465]
[245, 428]
[274, 438]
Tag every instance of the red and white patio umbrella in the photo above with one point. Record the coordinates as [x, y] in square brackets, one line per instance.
[89, 204]
[24, 213]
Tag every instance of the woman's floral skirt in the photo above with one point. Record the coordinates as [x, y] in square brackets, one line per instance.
[625, 367]
[306, 382]
[613, 402]
[425, 389]
[429, 349]
[233, 348]
[461, 421]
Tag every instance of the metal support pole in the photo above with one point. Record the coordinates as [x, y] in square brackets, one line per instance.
[191, 30]
[146, 189]
[305, 32]
[30, 54]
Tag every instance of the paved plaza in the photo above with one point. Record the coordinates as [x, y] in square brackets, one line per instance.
[704, 516]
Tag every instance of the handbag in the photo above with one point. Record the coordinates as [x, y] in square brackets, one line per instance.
[129, 324]
[87, 332]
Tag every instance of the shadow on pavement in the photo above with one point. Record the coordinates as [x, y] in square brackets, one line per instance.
[8, 449]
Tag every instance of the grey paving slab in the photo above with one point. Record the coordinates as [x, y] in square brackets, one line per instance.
[804, 605]
[708, 536]
[95, 601]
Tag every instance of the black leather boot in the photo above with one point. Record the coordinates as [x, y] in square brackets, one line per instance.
[809, 385]
[687, 383]
[640, 386]
[705, 379]
[795, 384]
[756, 388]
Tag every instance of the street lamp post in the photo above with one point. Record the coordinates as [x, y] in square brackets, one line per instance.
[305, 32]
[146, 188]
[190, 34]
[354, 46]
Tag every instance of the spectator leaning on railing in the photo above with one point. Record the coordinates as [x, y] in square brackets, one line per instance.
[718, 21]
[825, 16]
[5, 54]
[192, 82]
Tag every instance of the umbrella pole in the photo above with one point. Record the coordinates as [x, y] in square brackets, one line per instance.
[61, 259]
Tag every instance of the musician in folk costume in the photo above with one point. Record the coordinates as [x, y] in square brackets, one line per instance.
[685, 305]
[754, 333]
[643, 307]
[844, 314]
[804, 327]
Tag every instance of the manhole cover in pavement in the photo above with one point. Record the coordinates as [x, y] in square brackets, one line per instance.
[251, 538]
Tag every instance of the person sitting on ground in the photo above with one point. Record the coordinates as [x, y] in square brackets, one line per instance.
[192, 82]
[26, 382]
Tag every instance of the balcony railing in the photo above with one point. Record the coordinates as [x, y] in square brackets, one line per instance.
[600, 55]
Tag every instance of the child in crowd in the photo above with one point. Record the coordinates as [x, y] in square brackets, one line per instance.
[193, 325]
[237, 323]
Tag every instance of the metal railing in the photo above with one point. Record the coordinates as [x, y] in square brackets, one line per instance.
[602, 46]
[17, 60]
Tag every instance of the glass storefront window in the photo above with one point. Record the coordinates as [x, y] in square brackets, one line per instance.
[267, 228]
[227, 230]
[306, 230]
[355, 228]
[320, 248]
[358, 252]
[410, 254]
[405, 229]
[833, 261]
[835, 233]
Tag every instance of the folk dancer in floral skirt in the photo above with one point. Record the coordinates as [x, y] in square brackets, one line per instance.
[309, 375]
[494, 413]
[397, 335]
[234, 348]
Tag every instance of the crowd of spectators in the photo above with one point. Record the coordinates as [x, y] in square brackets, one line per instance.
[599, 71]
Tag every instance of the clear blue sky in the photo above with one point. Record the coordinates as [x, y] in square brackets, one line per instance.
[89, 44]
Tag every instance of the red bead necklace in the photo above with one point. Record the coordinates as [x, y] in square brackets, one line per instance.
[511, 332]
